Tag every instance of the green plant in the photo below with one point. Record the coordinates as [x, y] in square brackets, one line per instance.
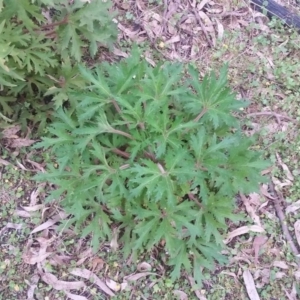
[157, 153]
[40, 42]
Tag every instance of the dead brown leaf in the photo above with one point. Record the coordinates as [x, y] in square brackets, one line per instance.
[263, 275]
[297, 231]
[61, 285]
[94, 278]
[4, 162]
[293, 207]
[258, 242]
[33, 258]
[182, 295]
[280, 275]
[250, 285]
[250, 210]
[242, 230]
[198, 292]
[84, 256]
[19, 143]
[280, 264]
[12, 226]
[75, 297]
[137, 276]
[114, 241]
[32, 286]
[22, 213]
[113, 285]
[33, 208]
[10, 132]
[50, 222]
[143, 267]
[285, 168]
[97, 264]
[232, 275]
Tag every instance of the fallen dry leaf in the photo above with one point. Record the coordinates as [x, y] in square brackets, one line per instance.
[11, 225]
[182, 295]
[280, 184]
[113, 285]
[33, 258]
[242, 230]
[280, 264]
[144, 267]
[19, 143]
[297, 231]
[280, 275]
[220, 28]
[97, 264]
[297, 275]
[198, 292]
[61, 285]
[33, 208]
[75, 297]
[84, 256]
[293, 207]
[4, 162]
[114, 241]
[60, 260]
[32, 286]
[22, 213]
[119, 52]
[137, 276]
[293, 294]
[264, 276]
[87, 274]
[10, 132]
[285, 168]
[202, 4]
[258, 242]
[250, 285]
[50, 222]
[236, 280]
[250, 210]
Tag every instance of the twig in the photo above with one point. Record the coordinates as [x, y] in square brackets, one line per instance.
[228, 14]
[270, 113]
[277, 199]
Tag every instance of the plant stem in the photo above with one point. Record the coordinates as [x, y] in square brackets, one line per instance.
[123, 133]
[204, 110]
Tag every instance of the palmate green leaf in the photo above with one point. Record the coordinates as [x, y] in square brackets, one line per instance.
[180, 261]
[93, 20]
[4, 104]
[24, 10]
[151, 178]
[97, 79]
[213, 98]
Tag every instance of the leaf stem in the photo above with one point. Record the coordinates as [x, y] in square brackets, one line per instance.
[123, 133]
[192, 197]
[204, 110]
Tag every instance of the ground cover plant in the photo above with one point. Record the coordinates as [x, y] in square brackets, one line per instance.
[160, 157]
[41, 41]
[135, 150]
